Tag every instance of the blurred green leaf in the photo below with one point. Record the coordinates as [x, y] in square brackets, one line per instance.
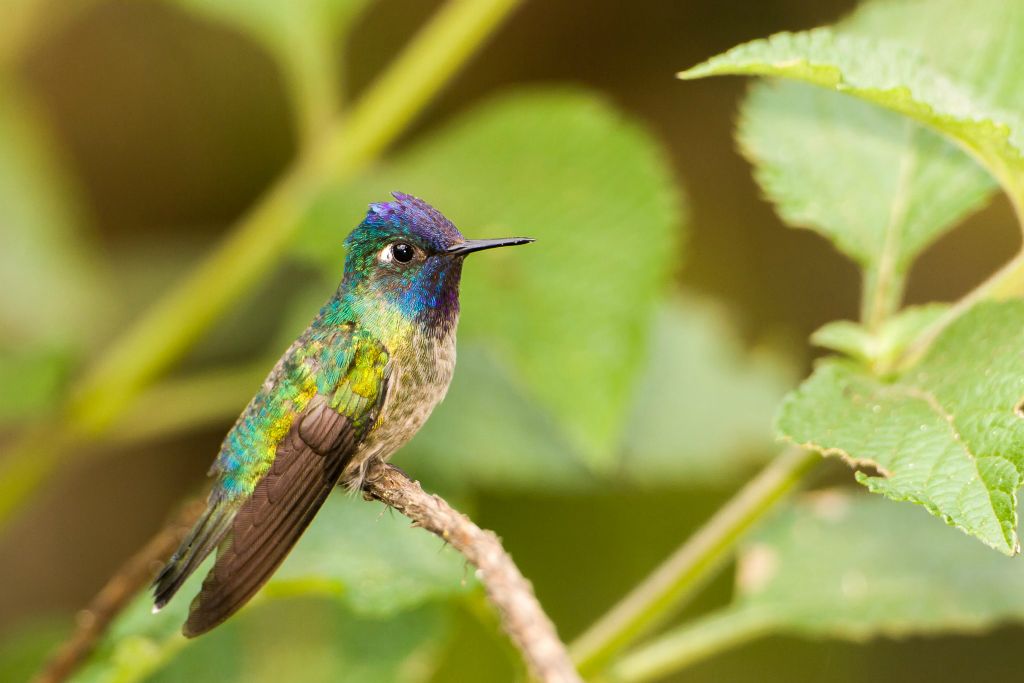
[50, 287]
[947, 434]
[704, 405]
[370, 561]
[316, 641]
[302, 35]
[853, 566]
[568, 316]
[372, 558]
[896, 78]
[24, 649]
[31, 379]
[311, 640]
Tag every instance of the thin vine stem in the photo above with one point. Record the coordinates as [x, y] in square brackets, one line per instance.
[662, 592]
[697, 640]
[170, 327]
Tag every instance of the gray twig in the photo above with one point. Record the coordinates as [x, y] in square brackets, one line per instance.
[521, 615]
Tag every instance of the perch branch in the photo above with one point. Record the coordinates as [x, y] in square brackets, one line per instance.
[132, 577]
[521, 615]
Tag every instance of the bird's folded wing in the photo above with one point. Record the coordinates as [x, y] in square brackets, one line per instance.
[308, 464]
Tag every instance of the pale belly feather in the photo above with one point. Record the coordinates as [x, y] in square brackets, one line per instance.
[420, 375]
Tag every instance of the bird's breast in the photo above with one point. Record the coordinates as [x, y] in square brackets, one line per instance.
[421, 370]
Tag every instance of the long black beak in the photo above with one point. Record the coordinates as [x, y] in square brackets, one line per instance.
[469, 246]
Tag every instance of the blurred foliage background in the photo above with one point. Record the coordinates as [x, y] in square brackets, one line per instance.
[616, 382]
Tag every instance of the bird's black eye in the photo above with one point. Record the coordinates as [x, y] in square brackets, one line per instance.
[403, 252]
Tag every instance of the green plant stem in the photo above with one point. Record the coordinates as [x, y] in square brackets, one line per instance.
[174, 323]
[690, 643]
[883, 291]
[313, 78]
[680, 575]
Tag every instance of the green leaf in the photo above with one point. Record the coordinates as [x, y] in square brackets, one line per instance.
[980, 45]
[302, 35]
[25, 648]
[309, 639]
[882, 348]
[569, 315]
[31, 379]
[891, 76]
[372, 559]
[704, 406]
[852, 566]
[947, 434]
[373, 564]
[877, 184]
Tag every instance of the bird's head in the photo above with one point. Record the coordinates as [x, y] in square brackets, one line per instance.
[406, 252]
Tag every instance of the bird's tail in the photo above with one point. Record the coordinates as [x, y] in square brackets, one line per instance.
[205, 536]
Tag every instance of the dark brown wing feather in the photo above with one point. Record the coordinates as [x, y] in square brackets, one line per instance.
[308, 464]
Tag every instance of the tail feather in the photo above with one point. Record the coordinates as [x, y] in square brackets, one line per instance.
[205, 536]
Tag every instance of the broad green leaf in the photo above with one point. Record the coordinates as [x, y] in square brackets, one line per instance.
[891, 76]
[302, 35]
[980, 45]
[704, 405]
[852, 566]
[569, 315]
[877, 184]
[372, 563]
[947, 434]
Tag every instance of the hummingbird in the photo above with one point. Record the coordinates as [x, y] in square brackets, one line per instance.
[356, 385]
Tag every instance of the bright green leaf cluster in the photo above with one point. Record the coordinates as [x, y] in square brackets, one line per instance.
[946, 434]
[863, 172]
